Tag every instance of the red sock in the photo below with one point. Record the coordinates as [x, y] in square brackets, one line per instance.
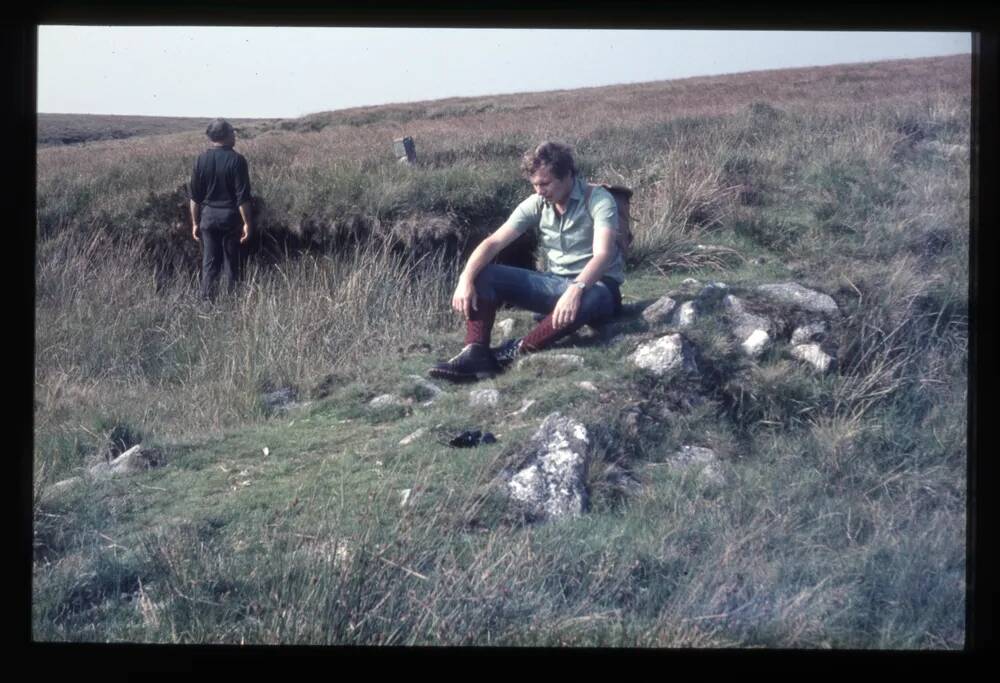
[545, 334]
[480, 323]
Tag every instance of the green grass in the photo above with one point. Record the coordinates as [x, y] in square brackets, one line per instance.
[841, 520]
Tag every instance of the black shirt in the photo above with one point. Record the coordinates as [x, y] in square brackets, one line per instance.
[221, 179]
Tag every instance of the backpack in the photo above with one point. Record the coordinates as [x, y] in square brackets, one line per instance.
[622, 197]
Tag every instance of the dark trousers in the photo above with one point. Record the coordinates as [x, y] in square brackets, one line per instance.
[220, 239]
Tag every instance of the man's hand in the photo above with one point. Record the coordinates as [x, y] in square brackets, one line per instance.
[194, 232]
[567, 307]
[246, 233]
[464, 299]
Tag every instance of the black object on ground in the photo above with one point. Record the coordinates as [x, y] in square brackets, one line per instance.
[471, 439]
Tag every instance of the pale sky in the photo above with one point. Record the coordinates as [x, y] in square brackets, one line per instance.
[286, 72]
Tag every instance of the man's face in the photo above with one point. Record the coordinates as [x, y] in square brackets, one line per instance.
[551, 188]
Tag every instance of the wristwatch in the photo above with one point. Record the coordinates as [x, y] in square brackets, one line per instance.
[579, 285]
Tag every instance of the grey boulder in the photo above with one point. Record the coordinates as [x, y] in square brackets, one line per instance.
[551, 484]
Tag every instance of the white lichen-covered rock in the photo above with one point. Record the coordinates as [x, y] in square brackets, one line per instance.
[407, 440]
[744, 323]
[756, 344]
[660, 311]
[386, 400]
[794, 294]
[685, 314]
[484, 398]
[135, 459]
[60, 487]
[814, 355]
[504, 328]
[809, 333]
[552, 481]
[702, 459]
[551, 363]
[666, 354]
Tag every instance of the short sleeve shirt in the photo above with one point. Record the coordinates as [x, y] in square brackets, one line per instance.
[568, 240]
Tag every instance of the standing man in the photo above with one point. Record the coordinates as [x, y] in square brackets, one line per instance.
[578, 226]
[220, 205]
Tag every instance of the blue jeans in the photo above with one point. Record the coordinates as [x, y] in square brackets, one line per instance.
[539, 292]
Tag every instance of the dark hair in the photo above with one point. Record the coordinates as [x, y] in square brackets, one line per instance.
[218, 130]
[558, 158]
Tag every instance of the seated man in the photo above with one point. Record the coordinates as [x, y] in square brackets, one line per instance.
[578, 226]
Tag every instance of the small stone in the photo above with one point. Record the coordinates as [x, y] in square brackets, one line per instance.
[659, 311]
[690, 457]
[386, 400]
[588, 386]
[664, 355]
[135, 459]
[756, 343]
[814, 355]
[743, 322]
[794, 294]
[434, 390]
[279, 399]
[809, 333]
[407, 440]
[60, 487]
[484, 398]
[685, 315]
[528, 402]
[712, 292]
[505, 328]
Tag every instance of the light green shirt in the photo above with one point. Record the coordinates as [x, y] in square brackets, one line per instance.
[568, 240]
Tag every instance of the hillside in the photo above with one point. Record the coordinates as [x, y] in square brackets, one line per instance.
[295, 482]
[74, 129]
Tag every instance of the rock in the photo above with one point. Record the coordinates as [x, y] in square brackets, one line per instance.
[588, 386]
[814, 355]
[712, 293]
[690, 283]
[551, 483]
[434, 390]
[685, 315]
[809, 333]
[60, 487]
[660, 311]
[756, 343]
[704, 459]
[386, 400]
[279, 399]
[484, 398]
[743, 322]
[794, 294]
[407, 440]
[551, 363]
[528, 402]
[664, 355]
[505, 328]
[622, 480]
[135, 459]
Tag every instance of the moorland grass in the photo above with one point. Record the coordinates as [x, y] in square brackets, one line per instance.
[841, 518]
